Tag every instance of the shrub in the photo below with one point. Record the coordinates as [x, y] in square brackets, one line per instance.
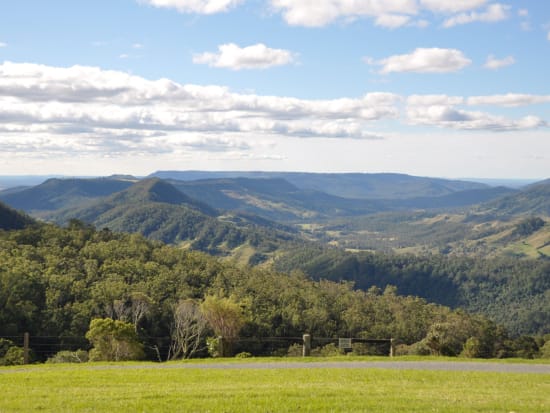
[295, 350]
[243, 355]
[330, 350]
[13, 357]
[78, 356]
[113, 341]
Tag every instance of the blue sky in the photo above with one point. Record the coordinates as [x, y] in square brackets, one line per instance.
[425, 87]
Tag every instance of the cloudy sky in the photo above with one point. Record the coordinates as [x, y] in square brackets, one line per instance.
[426, 87]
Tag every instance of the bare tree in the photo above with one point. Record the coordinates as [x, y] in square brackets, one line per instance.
[188, 330]
[140, 307]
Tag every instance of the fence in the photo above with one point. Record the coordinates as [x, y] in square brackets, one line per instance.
[43, 347]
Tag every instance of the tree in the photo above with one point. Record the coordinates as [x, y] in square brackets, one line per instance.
[188, 330]
[226, 318]
[113, 340]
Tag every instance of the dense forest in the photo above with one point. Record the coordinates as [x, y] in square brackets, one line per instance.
[54, 281]
[515, 293]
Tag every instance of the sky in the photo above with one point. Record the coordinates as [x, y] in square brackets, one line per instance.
[440, 88]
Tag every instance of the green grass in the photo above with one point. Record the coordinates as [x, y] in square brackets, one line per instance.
[134, 387]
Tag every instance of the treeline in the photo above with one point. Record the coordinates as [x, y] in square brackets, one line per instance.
[512, 292]
[55, 281]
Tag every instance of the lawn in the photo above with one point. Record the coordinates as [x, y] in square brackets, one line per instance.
[147, 388]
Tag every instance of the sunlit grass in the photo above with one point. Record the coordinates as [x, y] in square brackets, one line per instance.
[143, 387]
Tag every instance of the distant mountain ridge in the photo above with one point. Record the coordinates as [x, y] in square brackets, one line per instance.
[56, 193]
[345, 185]
[158, 210]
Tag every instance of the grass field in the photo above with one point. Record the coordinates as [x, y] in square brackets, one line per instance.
[147, 388]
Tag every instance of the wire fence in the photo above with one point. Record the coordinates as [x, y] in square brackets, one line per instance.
[158, 348]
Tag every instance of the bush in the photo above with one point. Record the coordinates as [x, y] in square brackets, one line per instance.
[113, 341]
[419, 348]
[330, 350]
[13, 357]
[78, 356]
[295, 350]
[243, 355]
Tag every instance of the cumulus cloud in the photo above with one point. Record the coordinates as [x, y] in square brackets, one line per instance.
[443, 111]
[493, 63]
[424, 60]
[493, 13]
[509, 100]
[323, 12]
[195, 6]
[2, 44]
[258, 56]
[388, 13]
[99, 108]
[392, 21]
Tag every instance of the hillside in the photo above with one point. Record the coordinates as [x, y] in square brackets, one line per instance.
[532, 200]
[159, 211]
[345, 185]
[11, 219]
[274, 198]
[59, 193]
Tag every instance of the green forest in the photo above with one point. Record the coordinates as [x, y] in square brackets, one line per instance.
[123, 296]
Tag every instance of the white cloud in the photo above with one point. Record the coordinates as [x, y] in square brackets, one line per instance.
[2, 44]
[434, 100]
[494, 13]
[392, 21]
[523, 12]
[444, 111]
[387, 13]
[322, 12]
[90, 109]
[195, 6]
[450, 117]
[509, 100]
[258, 56]
[493, 63]
[451, 6]
[424, 60]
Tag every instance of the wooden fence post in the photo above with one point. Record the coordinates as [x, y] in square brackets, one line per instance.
[221, 347]
[307, 345]
[26, 348]
[391, 347]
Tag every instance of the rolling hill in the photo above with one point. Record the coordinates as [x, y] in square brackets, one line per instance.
[345, 185]
[159, 211]
[59, 193]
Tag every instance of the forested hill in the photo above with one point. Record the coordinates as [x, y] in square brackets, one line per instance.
[346, 185]
[58, 280]
[510, 291]
[12, 219]
[532, 200]
[58, 193]
[159, 211]
[275, 198]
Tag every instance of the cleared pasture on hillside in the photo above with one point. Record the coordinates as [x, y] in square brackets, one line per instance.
[147, 388]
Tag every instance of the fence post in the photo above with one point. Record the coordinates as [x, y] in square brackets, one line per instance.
[26, 348]
[221, 346]
[307, 345]
[391, 347]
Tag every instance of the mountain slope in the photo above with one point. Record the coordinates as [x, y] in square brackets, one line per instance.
[274, 198]
[159, 211]
[58, 193]
[11, 219]
[533, 200]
